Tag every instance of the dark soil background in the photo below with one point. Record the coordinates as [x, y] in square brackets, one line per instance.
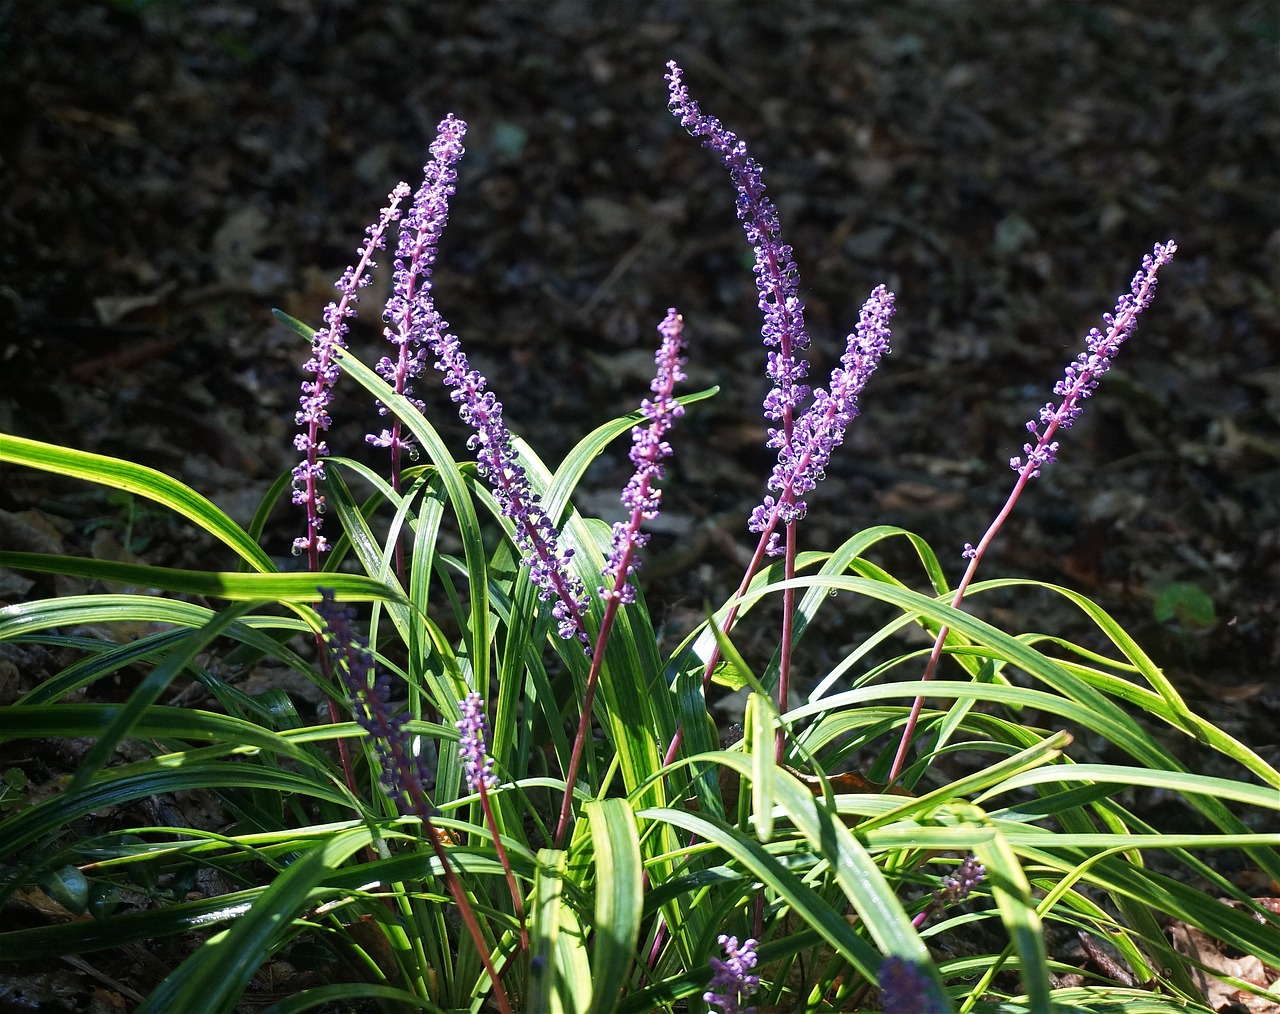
[171, 171]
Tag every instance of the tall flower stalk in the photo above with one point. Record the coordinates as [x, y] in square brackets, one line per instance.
[1078, 383]
[649, 448]
[416, 327]
[803, 441]
[313, 415]
[477, 768]
[802, 465]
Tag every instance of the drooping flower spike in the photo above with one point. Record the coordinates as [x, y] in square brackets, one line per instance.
[535, 534]
[777, 277]
[415, 323]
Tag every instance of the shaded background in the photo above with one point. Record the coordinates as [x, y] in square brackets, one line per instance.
[172, 171]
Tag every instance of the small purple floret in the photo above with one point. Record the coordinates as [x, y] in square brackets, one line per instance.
[732, 984]
[472, 744]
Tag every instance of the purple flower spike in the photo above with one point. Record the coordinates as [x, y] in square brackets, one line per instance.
[1083, 374]
[905, 989]
[732, 984]
[648, 449]
[316, 394]
[472, 744]
[408, 315]
[777, 277]
[535, 534]
[802, 463]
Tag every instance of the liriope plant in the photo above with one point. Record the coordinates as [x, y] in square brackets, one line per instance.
[513, 799]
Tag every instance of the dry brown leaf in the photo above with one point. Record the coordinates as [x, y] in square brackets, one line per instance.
[1220, 995]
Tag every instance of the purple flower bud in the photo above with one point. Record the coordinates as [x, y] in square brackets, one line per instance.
[472, 748]
[1081, 376]
[732, 984]
[955, 888]
[648, 450]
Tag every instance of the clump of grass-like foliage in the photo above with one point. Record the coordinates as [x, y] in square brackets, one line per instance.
[516, 801]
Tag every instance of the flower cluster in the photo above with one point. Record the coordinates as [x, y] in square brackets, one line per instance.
[802, 463]
[956, 886]
[777, 277]
[404, 771]
[905, 989]
[407, 315]
[731, 983]
[1083, 374]
[313, 416]
[648, 450]
[473, 727]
